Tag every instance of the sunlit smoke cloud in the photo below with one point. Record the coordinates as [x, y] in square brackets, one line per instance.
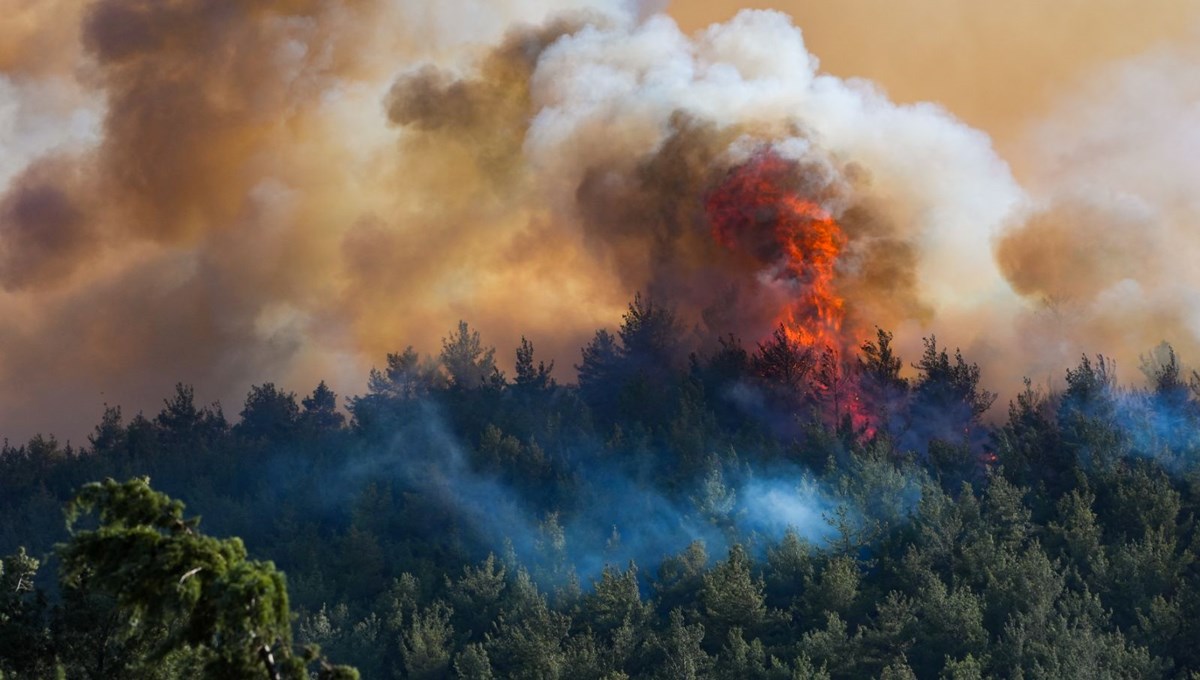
[1105, 251]
[227, 194]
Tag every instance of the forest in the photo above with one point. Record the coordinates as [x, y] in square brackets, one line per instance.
[681, 509]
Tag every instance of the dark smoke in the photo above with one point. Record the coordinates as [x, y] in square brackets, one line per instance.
[44, 230]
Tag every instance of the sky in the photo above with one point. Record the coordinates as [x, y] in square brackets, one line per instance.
[226, 194]
[999, 67]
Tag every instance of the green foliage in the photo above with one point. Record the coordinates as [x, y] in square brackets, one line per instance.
[472, 663]
[732, 597]
[269, 413]
[181, 423]
[951, 383]
[468, 365]
[205, 592]
[24, 645]
[615, 601]
[784, 363]
[1059, 542]
[681, 578]
[965, 669]
[683, 658]
[879, 362]
[835, 588]
[425, 644]
[406, 376]
[531, 378]
[320, 414]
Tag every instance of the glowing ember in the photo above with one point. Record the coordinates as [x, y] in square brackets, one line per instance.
[757, 212]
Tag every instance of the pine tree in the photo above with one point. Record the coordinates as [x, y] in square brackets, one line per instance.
[205, 591]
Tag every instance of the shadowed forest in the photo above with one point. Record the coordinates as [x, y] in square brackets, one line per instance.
[739, 511]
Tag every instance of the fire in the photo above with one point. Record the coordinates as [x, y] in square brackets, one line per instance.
[757, 212]
[792, 242]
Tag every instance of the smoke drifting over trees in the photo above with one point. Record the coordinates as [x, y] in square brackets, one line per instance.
[767, 512]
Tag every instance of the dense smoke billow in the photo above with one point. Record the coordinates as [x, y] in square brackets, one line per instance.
[227, 193]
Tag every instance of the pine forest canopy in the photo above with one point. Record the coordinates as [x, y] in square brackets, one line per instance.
[782, 510]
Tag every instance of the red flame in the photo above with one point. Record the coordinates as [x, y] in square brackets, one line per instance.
[757, 212]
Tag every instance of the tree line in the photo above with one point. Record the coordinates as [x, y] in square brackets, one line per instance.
[463, 523]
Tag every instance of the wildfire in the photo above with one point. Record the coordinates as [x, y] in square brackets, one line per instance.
[756, 211]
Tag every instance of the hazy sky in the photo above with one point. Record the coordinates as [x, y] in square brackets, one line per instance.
[233, 193]
[996, 65]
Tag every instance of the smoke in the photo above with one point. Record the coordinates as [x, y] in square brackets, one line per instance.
[616, 520]
[1008, 62]
[651, 120]
[775, 506]
[227, 193]
[228, 203]
[1106, 249]
[44, 224]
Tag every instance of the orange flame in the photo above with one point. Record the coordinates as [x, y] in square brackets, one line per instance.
[756, 211]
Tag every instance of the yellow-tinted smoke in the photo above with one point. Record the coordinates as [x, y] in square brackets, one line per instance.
[237, 207]
[1088, 102]
[229, 193]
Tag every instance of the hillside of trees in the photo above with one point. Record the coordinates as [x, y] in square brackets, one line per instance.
[760, 511]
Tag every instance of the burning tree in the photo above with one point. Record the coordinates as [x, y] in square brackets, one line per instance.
[759, 213]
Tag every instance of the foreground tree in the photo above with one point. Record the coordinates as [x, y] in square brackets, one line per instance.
[23, 643]
[230, 611]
